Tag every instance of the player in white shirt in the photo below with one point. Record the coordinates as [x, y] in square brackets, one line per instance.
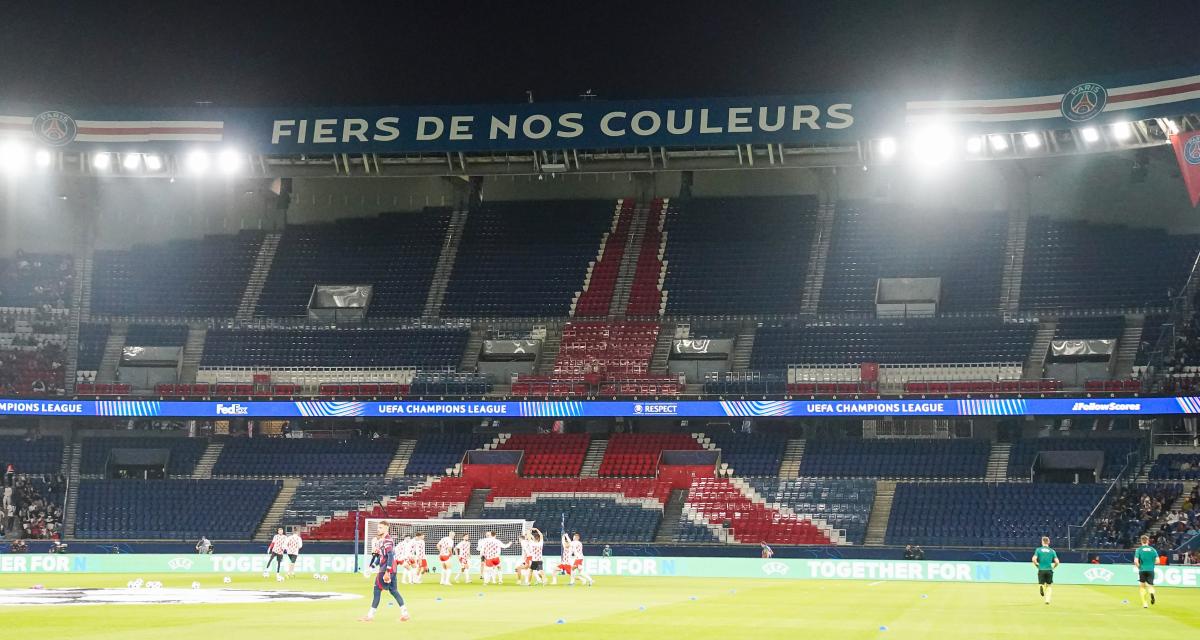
[445, 548]
[575, 549]
[463, 551]
[523, 572]
[291, 546]
[489, 552]
[419, 559]
[276, 550]
[536, 540]
[404, 557]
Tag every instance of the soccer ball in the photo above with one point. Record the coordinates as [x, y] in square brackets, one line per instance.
[324, 578]
[154, 585]
[316, 576]
[228, 579]
[266, 574]
[195, 585]
[278, 578]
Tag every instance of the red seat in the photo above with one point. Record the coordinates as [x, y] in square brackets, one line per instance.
[328, 389]
[388, 389]
[85, 388]
[368, 389]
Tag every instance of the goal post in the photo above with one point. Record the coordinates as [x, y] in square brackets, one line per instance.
[436, 529]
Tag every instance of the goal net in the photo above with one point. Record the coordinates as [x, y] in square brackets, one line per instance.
[434, 530]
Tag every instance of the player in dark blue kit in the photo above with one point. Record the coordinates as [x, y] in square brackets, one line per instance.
[385, 580]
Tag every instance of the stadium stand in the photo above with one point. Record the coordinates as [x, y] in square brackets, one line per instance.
[913, 341]
[750, 520]
[525, 258]
[92, 339]
[423, 348]
[188, 278]
[844, 504]
[597, 519]
[549, 454]
[184, 452]
[396, 253]
[987, 515]
[1065, 259]
[737, 255]
[1131, 514]
[646, 292]
[32, 365]
[437, 452]
[450, 384]
[957, 458]
[441, 498]
[317, 499]
[597, 295]
[36, 280]
[156, 335]
[1089, 328]
[631, 454]
[304, 457]
[31, 455]
[619, 348]
[1117, 451]
[748, 454]
[872, 241]
[1176, 466]
[172, 509]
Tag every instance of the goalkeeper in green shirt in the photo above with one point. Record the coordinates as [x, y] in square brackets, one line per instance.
[1144, 558]
[1046, 561]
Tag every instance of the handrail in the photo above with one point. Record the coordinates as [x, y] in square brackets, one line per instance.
[1115, 484]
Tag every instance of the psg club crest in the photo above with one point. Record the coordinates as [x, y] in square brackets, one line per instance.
[55, 128]
[1191, 149]
[1084, 102]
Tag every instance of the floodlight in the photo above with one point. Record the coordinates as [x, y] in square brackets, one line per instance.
[932, 146]
[131, 161]
[886, 147]
[229, 161]
[974, 145]
[1090, 134]
[43, 158]
[13, 156]
[998, 142]
[1031, 140]
[153, 161]
[1122, 130]
[101, 161]
[197, 162]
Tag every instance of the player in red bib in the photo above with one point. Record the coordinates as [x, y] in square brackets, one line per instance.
[463, 551]
[445, 549]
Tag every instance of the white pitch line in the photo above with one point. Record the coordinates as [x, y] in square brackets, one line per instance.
[875, 583]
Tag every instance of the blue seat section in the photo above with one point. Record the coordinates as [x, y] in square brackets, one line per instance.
[1089, 328]
[844, 504]
[396, 253]
[41, 455]
[872, 241]
[185, 452]
[450, 384]
[199, 278]
[304, 457]
[92, 339]
[748, 383]
[437, 452]
[988, 515]
[750, 454]
[432, 348]
[913, 341]
[1072, 264]
[1116, 450]
[319, 498]
[36, 280]
[525, 258]
[1176, 466]
[1125, 519]
[738, 255]
[173, 509]
[956, 458]
[691, 532]
[156, 335]
[596, 519]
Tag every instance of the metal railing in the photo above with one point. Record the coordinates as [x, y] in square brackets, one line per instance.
[1117, 483]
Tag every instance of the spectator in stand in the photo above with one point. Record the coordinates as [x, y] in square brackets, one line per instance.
[908, 552]
[204, 546]
[918, 553]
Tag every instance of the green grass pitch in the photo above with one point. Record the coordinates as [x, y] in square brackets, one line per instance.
[684, 608]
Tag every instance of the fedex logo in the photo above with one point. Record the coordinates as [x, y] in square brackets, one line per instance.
[234, 409]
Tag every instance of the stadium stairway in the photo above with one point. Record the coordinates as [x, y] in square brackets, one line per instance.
[113, 349]
[1014, 265]
[1128, 344]
[792, 457]
[474, 508]
[743, 349]
[81, 290]
[399, 463]
[1035, 365]
[814, 278]
[549, 353]
[997, 468]
[208, 460]
[660, 360]
[629, 262]
[74, 453]
[445, 264]
[668, 527]
[258, 277]
[193, 350]
[595, 455]
[274, 517]
[881, 511]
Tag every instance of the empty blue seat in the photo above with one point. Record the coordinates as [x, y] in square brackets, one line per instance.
[173, 509]
[596, 519]
[957, 458]
[304, 457]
